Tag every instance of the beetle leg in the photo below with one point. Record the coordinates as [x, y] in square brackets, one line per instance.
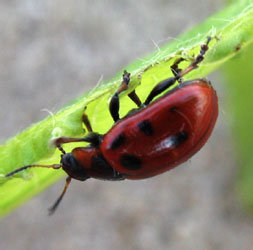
[178, 73]
[93, 138]
[175, 70]
[159, 88]
[199, 58]
[114, 103]
[163, 85]
[86, 121]
[134, 97]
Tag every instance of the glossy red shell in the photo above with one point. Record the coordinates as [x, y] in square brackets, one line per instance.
[190, 110]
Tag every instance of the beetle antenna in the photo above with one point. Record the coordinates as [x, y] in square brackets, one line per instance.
[54, 166]
[52, 209]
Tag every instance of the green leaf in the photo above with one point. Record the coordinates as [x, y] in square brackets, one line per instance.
[234, 28]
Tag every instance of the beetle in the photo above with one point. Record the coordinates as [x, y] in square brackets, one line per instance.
[151, 139]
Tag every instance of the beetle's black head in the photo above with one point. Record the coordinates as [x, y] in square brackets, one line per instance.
[71, 166]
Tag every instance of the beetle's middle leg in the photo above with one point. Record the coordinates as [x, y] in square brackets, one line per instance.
[114, 103]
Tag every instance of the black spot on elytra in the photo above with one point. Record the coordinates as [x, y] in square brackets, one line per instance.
[118, 141]
[146, 127]
[130, 162]
[179, 138]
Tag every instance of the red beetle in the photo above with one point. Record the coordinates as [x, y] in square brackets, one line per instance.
[149, 140]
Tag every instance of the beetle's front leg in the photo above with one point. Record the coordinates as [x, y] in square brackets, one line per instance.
[93, 138]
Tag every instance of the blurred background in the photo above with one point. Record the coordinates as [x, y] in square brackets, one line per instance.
[52, 52]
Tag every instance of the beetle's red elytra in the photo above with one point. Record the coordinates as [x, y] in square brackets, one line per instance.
[151, 139]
